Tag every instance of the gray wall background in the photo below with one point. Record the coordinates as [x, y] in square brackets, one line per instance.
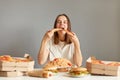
[96, 22]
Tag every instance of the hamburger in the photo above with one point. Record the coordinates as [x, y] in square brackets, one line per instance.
[78, 71]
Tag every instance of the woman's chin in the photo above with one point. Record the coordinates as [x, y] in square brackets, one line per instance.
[62, 32]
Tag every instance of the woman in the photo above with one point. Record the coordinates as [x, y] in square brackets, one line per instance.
[60, 42]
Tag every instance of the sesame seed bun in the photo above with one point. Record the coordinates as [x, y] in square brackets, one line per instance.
[78, 69]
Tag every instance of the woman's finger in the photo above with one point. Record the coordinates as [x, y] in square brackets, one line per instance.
[70, 33]
[56, 29]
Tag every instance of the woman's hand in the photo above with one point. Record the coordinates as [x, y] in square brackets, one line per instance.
[50, 33]
[72, 36]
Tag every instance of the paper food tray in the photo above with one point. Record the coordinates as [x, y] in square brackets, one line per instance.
[103, 68]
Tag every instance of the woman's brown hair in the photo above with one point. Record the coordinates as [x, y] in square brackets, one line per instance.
[67, 39]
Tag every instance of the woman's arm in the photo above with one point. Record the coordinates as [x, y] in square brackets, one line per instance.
[77, 57]
[44, 51]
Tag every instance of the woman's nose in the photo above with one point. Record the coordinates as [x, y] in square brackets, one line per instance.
[63, 23]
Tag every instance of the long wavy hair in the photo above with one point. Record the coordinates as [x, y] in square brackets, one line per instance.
[56, 38]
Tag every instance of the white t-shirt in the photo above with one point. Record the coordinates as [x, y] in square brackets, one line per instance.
[60, 50]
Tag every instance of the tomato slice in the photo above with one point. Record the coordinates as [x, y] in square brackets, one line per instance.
[69, 64]
[55, 59]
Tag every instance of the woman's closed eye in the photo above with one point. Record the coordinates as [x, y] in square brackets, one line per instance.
[60, 22]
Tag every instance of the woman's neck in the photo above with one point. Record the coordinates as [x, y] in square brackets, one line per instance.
[62, 37]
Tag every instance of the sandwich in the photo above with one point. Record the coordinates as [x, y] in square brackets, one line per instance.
[52, 69]
[58, 65]
[13, 59]
[114, 64]
[6, 58]
[96, 61]
[78, 71]
[39, 73]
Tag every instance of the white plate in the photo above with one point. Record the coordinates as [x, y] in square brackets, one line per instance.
[77, 76]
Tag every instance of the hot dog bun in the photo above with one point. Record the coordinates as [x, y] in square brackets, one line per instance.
[40, 73]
